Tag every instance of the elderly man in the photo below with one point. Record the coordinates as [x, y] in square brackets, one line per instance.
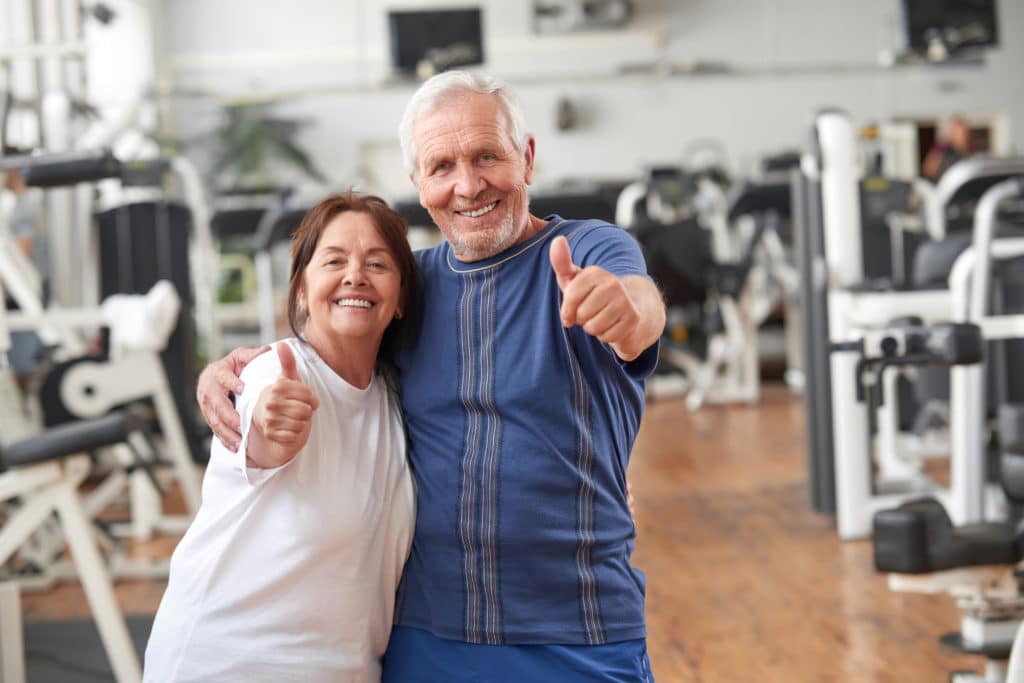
[523, 396]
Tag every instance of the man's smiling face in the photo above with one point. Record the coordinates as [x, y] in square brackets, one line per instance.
[471, 178]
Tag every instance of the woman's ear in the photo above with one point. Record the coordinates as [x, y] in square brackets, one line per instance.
[403, 301]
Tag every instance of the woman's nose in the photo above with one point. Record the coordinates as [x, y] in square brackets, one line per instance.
[354, 273]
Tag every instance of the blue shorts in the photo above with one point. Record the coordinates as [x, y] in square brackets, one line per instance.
[417, 656]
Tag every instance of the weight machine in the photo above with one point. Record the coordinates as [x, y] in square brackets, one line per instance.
[839, 309]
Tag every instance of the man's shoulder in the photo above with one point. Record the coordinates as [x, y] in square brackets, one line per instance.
[575, 224]
[426, 258]
[593, 231]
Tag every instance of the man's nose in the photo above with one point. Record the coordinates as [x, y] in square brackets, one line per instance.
[468, 181]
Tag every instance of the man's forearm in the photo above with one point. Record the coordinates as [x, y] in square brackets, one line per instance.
[651, 307]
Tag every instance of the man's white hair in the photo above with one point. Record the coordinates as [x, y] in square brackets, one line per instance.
[438, 89]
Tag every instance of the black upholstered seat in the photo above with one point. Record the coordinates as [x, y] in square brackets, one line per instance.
[918, 537]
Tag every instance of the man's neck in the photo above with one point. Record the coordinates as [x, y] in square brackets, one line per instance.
[534, 226]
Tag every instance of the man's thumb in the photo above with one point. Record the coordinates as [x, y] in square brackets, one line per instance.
[561, 260]
[284, 354]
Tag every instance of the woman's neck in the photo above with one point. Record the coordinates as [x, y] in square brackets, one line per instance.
[353, 360]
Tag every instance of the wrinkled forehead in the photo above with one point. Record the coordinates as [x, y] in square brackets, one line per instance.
[461, 112]
[455, 134]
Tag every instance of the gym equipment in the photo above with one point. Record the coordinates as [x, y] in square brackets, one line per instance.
[59, 77]
[978, 564]
[946, 344]
[38, 477]
[838, 308]
[723, 269]
[276, 227]
[918, 543]
[28, 472]
[91, 387]
[251, 227]
[248, 228]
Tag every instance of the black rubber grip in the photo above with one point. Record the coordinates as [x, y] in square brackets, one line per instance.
[60, 170]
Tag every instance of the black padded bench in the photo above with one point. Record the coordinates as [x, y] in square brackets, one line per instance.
[68, 439]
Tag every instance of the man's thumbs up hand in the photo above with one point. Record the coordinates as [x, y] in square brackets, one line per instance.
[561, 262]
[592, 297]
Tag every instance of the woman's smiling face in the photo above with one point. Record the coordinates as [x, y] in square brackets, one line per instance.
[352, 286]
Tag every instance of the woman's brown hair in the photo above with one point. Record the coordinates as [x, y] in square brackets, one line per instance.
[393, 230]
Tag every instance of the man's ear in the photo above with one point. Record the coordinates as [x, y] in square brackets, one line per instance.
[528, 154]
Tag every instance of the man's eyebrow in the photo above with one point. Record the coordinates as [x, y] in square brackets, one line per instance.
[431, 159]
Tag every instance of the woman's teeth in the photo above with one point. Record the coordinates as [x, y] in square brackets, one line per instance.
[357, 303]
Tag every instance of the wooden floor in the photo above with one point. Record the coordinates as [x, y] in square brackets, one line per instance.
[745, 583]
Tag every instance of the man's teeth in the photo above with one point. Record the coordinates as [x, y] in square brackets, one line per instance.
[481, 211]
[358, 303]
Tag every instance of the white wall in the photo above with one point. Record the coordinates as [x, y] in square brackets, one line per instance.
[327, 60]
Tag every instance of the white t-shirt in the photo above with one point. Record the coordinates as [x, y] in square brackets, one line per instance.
[289, 574]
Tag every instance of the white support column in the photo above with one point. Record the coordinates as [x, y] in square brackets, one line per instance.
[840, 199]
[849, 429]
[969, 285]
[203, 256]
[12, 646]
[177, 445]
[265, 296]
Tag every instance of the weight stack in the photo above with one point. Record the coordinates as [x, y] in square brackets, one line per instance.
[140, 244]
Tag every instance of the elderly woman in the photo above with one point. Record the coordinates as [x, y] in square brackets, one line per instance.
[290, 568]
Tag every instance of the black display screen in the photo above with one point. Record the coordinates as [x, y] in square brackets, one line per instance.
[447, 38]
[958, 24]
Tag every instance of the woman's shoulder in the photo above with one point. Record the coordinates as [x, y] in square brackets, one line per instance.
[268, 364]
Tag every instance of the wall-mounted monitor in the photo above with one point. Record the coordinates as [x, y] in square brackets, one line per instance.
[430, 41]
[943, 28]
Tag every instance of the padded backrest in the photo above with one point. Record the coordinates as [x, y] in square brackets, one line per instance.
[280, 224]
[579, 205]
[678, 259]
[234, 223]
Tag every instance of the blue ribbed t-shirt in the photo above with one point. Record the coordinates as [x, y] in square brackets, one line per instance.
[520, 433]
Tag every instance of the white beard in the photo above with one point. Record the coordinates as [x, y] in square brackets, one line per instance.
[482, 245]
